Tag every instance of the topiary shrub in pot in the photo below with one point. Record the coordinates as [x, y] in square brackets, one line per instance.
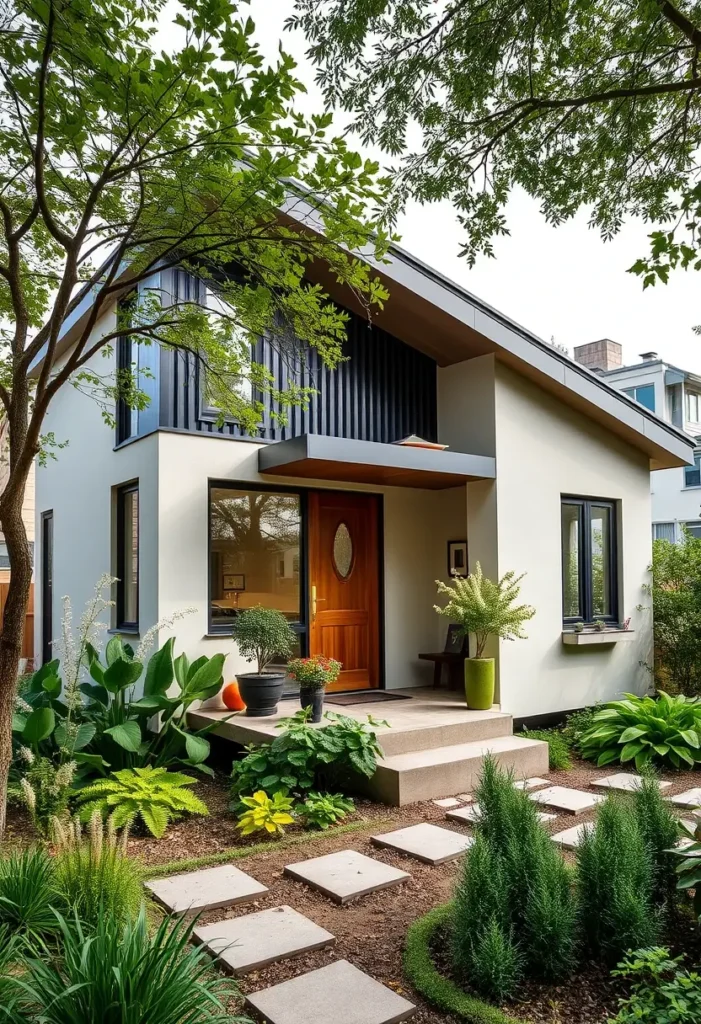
[484, 608]
[314, 675]
[262, 635]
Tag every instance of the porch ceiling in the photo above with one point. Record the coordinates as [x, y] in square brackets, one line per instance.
[317, 457]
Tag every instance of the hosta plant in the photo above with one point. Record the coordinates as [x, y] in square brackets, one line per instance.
[320, 810]
[265, 814]
[644, 729]
[153, 795]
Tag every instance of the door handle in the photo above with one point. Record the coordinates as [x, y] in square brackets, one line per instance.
[315, 599]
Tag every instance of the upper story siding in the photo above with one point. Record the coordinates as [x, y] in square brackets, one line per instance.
[384, 390]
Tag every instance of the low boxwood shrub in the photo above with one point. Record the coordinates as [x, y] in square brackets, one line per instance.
[443, 993]
[665, 729]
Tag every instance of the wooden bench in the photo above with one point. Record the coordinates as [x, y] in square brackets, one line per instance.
[453, 655]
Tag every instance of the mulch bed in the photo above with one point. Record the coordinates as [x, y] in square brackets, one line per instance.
[370, 932]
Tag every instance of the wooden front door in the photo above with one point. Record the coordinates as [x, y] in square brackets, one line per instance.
[344, 585]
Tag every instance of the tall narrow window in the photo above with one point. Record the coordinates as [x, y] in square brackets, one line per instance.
[128, 557]
[254, 553]
[47, 585]
[127, 355]
[589, 568]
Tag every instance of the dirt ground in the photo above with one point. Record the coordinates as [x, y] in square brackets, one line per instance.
[370, 932]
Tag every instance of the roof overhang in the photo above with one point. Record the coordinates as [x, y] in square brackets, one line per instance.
[316, 457]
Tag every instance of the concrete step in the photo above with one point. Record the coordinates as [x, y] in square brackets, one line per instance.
[446, 770]
[441, 727]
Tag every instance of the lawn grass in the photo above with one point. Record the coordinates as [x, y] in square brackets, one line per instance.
[441, 992]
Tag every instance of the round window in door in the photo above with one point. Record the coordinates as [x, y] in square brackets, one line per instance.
[342, 551]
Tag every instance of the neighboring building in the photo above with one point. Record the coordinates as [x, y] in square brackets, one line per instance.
[675, 396]
[346, 532]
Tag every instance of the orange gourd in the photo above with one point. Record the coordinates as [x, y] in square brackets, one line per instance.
[232, 697]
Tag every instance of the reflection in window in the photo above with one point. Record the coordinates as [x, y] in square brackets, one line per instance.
[254, 552]
[128, 556]
[600, 560]
[570, 556]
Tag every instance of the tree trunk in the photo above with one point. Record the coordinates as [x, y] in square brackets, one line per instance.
[12, 630]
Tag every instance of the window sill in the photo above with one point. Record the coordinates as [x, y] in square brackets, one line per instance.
[125, 630]
[595, 637]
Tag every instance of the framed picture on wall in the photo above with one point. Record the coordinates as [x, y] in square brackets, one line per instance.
[457, 558]
[234, 581]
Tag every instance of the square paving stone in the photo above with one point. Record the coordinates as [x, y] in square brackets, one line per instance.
[472, 814]
[466, 798]
[210, 889]
[690, 798]
[448, 801]
[337, 993]
[572, 837]
[255, 940]
[625, 781]
[563, 799]
[429, 843]
[346, 875]
[532, 783]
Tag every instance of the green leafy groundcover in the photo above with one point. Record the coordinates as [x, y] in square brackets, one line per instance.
[438, 990]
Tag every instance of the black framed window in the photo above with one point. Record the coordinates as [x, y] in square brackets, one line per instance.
[128, 557]
[47, 585]
[692, 474]
[256, 548]
[589, 560]
[127, 354]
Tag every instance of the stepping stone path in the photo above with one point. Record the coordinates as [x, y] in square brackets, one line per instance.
[691, 798]
[472, 814]
[448, 801]
[346, 875]
[255, 940]
[560, 798]
[533, 783]
[572, 837]
[210, 889]
[339, 993]
[429, 843]
[624, 781]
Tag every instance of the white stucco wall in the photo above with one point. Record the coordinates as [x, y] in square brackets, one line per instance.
[545, 450]
[78, 486]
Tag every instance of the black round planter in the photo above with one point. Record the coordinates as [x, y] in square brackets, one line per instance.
[313, 699]
[261, 693]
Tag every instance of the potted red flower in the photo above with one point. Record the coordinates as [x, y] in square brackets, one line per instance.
[314, 675]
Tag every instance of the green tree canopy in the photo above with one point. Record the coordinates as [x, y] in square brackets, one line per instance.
[119, 163]
[582, 103]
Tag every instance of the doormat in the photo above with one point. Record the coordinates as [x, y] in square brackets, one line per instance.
[369, 697]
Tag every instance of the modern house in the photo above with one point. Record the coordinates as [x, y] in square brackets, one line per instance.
[329, 519]
[675, 396]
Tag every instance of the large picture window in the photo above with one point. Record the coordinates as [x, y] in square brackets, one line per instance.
[128, 557]
[255, 542]
[589, 560]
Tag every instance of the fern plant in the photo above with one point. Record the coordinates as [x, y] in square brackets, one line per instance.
[486, 607]
[264, 813]
[154, 795]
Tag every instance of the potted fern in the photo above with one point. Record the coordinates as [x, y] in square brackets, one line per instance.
[314, 675]
[263, 635]
[484, 608]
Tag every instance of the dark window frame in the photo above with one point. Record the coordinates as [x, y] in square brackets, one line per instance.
[301, 627]
[125, 416]
[121, 492]
[47, 587]
[585, 560]
[692, 474]
[632, 392]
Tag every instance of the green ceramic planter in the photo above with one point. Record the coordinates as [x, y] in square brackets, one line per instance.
[479, 683]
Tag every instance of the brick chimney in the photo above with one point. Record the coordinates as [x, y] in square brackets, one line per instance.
[599, 355]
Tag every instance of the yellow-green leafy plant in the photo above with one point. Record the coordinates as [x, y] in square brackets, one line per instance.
[486, 607]
[264, 813]
[154, 795]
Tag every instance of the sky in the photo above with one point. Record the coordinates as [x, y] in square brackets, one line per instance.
[562, 283]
